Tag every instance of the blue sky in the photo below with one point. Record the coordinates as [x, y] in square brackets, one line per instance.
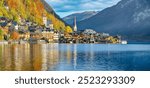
[67, 7]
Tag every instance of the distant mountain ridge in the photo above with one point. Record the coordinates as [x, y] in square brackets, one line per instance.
[80, 16]
[130, 18]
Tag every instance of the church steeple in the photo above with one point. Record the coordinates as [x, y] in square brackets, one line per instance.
[75, 24]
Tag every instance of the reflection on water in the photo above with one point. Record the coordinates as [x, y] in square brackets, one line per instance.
[28, 57]
[60, 57]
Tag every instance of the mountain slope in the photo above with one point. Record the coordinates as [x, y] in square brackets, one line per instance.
[32, 10]
[49, 9]
[80, 16]
[128, 18]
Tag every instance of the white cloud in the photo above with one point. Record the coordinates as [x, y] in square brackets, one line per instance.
[70, 6]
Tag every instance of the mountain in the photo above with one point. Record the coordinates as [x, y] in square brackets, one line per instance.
[80, 16]
[49, 9]
[32, 10]
[129, 18]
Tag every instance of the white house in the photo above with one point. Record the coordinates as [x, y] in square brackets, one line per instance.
[89, 31]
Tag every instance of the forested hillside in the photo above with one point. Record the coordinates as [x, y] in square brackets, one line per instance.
[31, 10]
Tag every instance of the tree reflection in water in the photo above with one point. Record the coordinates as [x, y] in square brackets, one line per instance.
[28, 57]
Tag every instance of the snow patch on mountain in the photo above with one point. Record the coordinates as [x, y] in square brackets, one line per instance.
[126, 4]
[141, 16]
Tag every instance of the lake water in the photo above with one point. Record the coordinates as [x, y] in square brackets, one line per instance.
[75, 57]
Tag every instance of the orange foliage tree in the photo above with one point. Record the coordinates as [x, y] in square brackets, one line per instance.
[14, 35]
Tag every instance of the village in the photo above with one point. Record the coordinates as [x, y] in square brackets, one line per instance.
[29, 32]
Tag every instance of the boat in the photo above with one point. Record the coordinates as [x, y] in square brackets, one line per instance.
[22, 42]
[124, 42]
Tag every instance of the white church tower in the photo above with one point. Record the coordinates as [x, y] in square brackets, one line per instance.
[75, 24]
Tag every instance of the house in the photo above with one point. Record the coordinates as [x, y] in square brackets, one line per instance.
[15, 25]
[22, 27]
[32, 28]
[47, 23]
[28, 23]
[3, 24]
[3, 19]
[89, 32]
[24, 35]
[50, 25]
[56, 37]
[92, 39]
[49, 35]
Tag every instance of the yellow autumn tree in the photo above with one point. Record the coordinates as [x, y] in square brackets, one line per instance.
[68, 29]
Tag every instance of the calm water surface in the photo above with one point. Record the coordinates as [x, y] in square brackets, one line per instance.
[75, 57]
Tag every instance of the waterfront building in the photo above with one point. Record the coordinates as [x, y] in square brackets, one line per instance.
[124, 42]
[56, 37]
[25, 36]
[48, 35]
[92, 39]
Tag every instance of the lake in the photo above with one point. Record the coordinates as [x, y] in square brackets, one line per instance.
[75, 57]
